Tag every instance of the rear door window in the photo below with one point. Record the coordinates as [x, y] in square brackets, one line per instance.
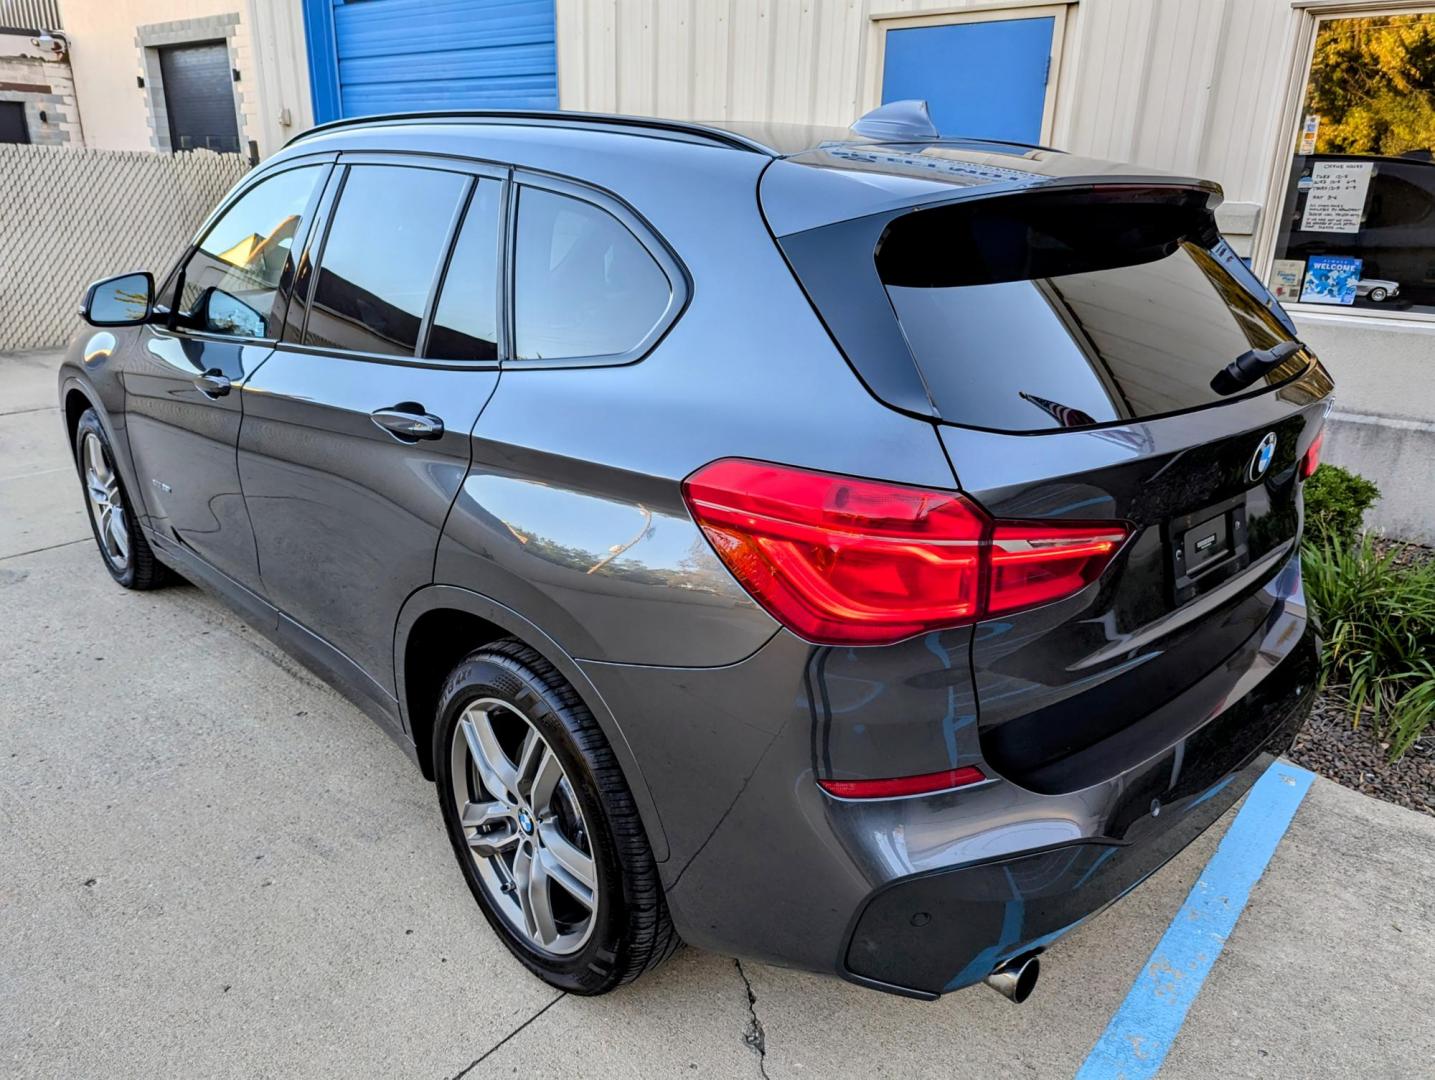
[465, 324]
[386, 242]
[1051, 317]
[583, 283]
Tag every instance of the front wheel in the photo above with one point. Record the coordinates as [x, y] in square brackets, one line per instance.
[544, 826]
[1378, 295]
[126, 554]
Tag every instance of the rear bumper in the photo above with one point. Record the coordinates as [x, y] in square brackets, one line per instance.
[924, 895]
[933, 932]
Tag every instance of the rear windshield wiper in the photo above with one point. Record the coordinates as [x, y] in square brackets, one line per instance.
[1250, 366]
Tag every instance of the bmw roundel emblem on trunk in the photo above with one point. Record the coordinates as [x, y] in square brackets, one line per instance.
[1261, 460]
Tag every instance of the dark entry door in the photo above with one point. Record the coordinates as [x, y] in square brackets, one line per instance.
[13, 128]
[199, 97]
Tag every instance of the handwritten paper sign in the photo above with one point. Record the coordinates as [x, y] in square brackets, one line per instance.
[1336, 198]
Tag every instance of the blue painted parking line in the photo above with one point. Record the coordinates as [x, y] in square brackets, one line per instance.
[1136, 1042]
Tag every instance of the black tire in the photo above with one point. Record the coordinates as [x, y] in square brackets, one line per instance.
[140, 569]
[632, 931]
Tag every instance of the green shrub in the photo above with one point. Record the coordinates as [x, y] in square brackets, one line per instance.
[1336, 500]
[1378, 620]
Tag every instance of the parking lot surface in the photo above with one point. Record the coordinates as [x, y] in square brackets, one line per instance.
[212, 865]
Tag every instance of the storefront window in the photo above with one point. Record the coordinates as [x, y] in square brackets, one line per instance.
[1357, 221]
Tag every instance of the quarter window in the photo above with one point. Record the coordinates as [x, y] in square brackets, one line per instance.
[583, 284]
[465, 325]
[232, 281]
[381, 258]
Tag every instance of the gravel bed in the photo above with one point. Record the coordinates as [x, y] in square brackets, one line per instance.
[1354, 757]
[1407, 552]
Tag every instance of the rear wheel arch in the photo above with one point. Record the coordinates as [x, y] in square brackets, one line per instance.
[441, 624]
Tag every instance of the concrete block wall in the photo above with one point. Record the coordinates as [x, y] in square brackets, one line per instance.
[1383, 422]
[45, 87]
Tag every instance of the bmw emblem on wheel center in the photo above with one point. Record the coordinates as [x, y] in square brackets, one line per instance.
[1264, 455]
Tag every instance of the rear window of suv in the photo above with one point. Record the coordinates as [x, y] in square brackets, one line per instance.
[1072, 309]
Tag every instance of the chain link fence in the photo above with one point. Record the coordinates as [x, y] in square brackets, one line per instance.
[70, 216]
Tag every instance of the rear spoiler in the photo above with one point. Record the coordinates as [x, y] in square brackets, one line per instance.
[841, 181]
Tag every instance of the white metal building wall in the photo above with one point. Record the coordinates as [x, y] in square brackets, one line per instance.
[1193, 86]
[1187, 85]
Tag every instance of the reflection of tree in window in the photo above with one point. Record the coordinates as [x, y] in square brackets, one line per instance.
[1256, 323]
[1372, 83]
[381, 258]
[246, 250]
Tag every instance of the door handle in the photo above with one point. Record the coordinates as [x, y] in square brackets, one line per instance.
[212, 383]
[408, 422]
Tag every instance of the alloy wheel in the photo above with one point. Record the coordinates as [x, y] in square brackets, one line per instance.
[107, 505]
[525, 830]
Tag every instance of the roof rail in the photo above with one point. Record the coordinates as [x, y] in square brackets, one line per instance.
[557, 117]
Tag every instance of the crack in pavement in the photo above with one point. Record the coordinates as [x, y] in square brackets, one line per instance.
[755, 1036]
[484, 1056]
[50, 547]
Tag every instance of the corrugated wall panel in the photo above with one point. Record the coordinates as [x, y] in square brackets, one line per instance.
[396, 55]
[1188, 85]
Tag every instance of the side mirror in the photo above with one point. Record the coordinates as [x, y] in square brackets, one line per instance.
[127, 300]
[220, 312]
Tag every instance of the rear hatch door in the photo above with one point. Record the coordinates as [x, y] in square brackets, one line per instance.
[1097, 354]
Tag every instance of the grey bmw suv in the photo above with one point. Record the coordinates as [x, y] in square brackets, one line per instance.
[864, 551]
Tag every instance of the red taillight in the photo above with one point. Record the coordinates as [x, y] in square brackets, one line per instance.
[843, 561]
[904, 785]
[1311, 461]
[1033, 563]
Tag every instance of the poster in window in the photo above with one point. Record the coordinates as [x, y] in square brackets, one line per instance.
[1286, 278]
[1330, 279]
[1336, 199]
[1308, 132]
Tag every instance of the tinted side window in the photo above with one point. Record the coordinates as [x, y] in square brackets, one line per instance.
[583, 284]
[386, 240]
[232, 281]
[465, 324]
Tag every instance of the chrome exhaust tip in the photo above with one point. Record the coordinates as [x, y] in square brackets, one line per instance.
[1016, 979]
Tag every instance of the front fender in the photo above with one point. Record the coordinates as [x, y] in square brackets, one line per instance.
[91, 369]
[455, 598]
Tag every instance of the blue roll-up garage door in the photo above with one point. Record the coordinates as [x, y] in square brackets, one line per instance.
[381, 56]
